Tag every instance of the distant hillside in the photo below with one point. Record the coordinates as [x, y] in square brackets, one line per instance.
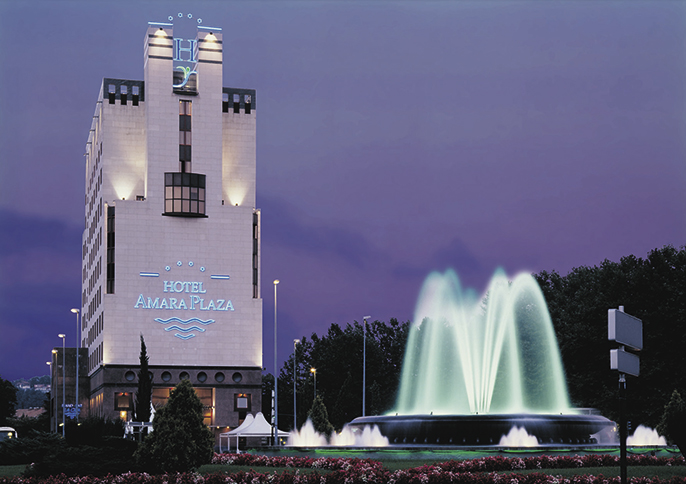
[33, 392]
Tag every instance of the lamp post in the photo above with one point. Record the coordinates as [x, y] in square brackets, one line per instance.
[276, 376]
[64, 381]
[78, 345]
[314, 372]
[364, 363]
[295, 375]
[49, 363]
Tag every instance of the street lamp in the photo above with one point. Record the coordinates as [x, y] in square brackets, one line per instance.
[78, 345]
[364, 362]
[276, 376]
[49, 363]
[295, 375]
[314, 372]
[64, 381]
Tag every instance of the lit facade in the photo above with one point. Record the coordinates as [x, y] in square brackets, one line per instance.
[171, 247]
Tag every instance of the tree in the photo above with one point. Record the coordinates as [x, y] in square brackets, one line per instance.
[8, 400]
[673, 422]
[320, 417]
[652, 289]
[180, 440]
[337, 356]
[144, 393]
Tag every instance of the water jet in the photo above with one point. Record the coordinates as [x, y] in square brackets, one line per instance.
[475, 367]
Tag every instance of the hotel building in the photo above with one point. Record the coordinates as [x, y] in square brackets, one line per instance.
[171, 246]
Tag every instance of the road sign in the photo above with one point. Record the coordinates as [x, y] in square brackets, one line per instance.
[624, 329]
[624, 361]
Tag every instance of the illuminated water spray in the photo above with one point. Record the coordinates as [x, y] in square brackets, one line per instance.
[474, 355]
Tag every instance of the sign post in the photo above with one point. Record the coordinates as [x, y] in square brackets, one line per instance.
[627, 331]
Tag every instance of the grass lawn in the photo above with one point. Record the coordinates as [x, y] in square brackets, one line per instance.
[9, 471]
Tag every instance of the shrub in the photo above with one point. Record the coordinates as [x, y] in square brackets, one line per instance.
[113, 456]
[30, 447]
[93, 430]
[180, 441]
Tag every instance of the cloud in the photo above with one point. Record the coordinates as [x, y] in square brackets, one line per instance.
[40, 267]
[21, 233]
[284, 226]
[38, 250]
[454, 255]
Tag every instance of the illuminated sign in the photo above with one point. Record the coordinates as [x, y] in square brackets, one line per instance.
[184, 295]
[185, 57]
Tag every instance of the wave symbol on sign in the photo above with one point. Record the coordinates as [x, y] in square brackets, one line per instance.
[189, 330]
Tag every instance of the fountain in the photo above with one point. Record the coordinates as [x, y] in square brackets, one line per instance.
[476, 367]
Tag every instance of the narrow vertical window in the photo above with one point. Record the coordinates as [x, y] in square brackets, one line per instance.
[110, 250]
[123, 94]
[255, 255]
[185, 112]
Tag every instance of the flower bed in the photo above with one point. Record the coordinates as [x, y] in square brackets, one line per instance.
[352, 471]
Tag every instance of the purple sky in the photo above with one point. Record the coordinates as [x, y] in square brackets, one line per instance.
[394, 138]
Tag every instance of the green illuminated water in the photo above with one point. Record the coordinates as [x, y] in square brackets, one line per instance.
[491, 354]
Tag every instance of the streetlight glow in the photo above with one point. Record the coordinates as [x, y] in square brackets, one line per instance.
[314, 372]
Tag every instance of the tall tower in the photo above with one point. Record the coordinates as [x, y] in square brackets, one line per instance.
[171, 247]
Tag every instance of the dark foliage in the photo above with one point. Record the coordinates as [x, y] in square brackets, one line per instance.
[144, 392]
[30, 398]
[337, 356]
[652, 289]
[673, 422]
[320, 417]
[112, 456]
[93, 430]
[30, 447]
[180, 441]
[8, 400]
[24, 425]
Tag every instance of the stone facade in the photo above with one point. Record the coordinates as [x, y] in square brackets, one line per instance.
[171, 248]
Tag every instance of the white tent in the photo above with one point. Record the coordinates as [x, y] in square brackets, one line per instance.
[256, 426]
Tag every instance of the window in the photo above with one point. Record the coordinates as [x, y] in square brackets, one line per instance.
[110, 250]
[184, 194]
[236, 103]
[185, 112]
[123, 401]
[242, 404]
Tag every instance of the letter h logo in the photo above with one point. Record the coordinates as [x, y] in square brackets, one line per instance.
[178, 50]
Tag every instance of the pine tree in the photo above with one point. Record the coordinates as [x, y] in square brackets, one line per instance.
[144, 392]
[180, 440]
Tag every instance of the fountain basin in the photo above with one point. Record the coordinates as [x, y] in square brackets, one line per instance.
[479, 430]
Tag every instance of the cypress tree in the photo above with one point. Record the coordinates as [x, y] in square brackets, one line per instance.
[144, 392]
[320, 417]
